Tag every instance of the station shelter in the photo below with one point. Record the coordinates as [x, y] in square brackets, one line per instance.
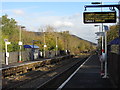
[33, 50]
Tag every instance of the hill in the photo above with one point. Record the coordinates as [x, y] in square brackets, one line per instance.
[52, 39]
[85, 40]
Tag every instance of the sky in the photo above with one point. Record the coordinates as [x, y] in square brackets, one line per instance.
[63, 15]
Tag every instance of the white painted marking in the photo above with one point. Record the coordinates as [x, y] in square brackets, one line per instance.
[63, 84]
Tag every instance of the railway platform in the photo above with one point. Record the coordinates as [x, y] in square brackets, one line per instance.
[87, 76]
[16, 64]
[23, 67]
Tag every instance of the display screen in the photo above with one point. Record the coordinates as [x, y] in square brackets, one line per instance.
[99, 17]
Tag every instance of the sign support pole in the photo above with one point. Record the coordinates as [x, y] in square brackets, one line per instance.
[6, 53]
[106, 75]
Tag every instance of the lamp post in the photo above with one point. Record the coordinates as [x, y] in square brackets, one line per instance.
[56, 45]
[20, 43]
[44, 45]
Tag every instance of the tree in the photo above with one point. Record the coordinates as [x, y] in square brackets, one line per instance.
[50, 29]
[9, 25]
[112, 33]
[9, 31]
[65, 41]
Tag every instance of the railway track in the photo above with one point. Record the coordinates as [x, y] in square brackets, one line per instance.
[56, 81]
[50, 78]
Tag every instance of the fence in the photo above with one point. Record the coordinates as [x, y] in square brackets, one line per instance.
[27, 56]
[14, 57]
[114, 64]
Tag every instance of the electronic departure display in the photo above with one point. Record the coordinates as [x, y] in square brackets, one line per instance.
[99, 17]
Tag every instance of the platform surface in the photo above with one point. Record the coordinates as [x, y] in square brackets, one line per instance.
[88, 76]
[16, 64]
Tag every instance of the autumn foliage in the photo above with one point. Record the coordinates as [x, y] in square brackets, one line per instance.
[64, 40]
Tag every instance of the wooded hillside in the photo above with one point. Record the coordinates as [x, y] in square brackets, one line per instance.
[65, 41]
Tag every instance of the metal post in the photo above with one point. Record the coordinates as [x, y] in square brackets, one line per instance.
[20, 60]
[56, 46]
[101, 50]
[102, 63]
[102, 41]
[99, 28]
[44, 44]
[105, 76]
[20, 43]
[33, 49]
[6, 53]
[20, 46]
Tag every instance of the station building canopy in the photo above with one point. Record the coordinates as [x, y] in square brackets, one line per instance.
[116, 41]
[31, 46]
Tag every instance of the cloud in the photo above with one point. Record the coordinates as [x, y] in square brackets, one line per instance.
[73, 23]
[56, 0]
[63, 24]
[13, 12]
[18, 12]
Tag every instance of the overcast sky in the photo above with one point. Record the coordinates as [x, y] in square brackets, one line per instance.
[61, 15]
